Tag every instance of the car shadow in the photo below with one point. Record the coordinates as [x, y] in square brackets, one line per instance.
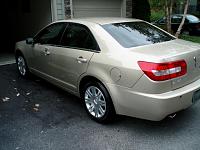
[180, 123]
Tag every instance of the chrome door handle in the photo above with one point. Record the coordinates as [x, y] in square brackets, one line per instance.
[81, 60]
[46, 51]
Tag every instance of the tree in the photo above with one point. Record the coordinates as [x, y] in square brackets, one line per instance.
[168, 7]
[183, 20]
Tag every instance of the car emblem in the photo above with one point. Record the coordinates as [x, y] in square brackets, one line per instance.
[195, 62]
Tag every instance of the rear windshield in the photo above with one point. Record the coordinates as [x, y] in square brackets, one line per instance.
[192, 18]
[133, 34]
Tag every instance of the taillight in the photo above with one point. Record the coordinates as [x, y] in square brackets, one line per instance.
[163, 71]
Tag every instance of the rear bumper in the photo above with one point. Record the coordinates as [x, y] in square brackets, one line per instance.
[152, 106]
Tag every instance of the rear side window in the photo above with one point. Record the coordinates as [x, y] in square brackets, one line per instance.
[133, 34]
[79, 36]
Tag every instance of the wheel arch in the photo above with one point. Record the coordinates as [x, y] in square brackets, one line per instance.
[18, 52]
[86, 79]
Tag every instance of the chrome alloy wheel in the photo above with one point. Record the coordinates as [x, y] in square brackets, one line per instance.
[21, 65]
[95, 102]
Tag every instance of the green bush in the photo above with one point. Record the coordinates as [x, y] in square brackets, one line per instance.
[156, 15]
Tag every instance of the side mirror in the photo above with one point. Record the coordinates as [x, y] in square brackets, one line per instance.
[29, 41]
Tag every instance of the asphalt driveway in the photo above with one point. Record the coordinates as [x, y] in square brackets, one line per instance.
[37, 115]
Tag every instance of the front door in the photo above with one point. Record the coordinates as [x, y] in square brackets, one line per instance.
[40, 58]
[43, 41]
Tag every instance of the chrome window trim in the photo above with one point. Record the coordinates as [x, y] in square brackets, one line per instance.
[76, 48]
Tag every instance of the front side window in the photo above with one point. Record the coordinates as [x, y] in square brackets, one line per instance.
[51, 34]
[78, 36]
[133, 34]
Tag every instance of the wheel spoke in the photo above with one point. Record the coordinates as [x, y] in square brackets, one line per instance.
[98, 93]
[24, 70]
[96, 111]
[91, 108]
[102, 103]
[88, 100]
[101, 110]
[89, 93]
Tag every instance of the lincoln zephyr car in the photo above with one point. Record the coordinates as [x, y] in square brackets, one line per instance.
[116, 66]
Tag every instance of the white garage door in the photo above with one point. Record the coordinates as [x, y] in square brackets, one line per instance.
[97, 8]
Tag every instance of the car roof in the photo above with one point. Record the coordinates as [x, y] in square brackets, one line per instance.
[100, 20]
[182, 15]
[179, 15]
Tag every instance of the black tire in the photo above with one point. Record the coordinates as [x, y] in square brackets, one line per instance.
[20, 60]
[109, 110]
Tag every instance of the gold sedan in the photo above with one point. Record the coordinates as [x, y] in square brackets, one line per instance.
[116, 65]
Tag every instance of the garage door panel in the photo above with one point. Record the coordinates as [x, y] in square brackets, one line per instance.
[96, 3]
[97, 13]
[97, 8]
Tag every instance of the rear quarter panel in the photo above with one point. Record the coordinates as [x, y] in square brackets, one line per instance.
[115, 68]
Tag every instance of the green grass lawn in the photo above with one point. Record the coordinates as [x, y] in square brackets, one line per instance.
[191, 38]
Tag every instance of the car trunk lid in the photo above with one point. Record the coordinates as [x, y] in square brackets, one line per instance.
[173, 51]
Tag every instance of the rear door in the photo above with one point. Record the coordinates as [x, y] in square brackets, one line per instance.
[71, 59]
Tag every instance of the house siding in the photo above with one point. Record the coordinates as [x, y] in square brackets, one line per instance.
[68, 7]
[60, 9]
[128, 8]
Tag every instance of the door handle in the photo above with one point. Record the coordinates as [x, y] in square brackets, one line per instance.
[81, 60]
[46, 51]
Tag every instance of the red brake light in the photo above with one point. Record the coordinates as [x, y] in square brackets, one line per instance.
[163, 71]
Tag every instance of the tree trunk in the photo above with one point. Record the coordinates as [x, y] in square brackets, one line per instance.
[183, 20]
[168, 13]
